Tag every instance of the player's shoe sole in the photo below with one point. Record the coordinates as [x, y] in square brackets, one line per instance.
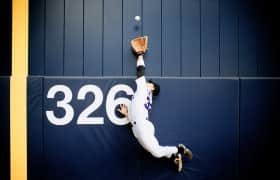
[179, 162]
[186, 151]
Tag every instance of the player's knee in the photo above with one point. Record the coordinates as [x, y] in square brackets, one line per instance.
[156, 154]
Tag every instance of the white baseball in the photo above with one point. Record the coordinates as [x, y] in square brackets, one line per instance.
[137, 18]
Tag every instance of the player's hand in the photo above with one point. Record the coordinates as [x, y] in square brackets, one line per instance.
[123, 110]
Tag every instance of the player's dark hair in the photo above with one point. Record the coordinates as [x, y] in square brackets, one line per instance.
[156, 86]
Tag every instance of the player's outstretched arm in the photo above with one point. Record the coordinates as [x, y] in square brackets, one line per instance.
[140, 66]
[140, 46]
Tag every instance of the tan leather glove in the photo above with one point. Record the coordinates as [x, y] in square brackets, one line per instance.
[140, 45]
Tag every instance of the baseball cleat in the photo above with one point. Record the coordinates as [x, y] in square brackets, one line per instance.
[185, 151]
[179, 162]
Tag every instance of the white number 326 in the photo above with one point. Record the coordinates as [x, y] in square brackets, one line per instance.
[84, 117]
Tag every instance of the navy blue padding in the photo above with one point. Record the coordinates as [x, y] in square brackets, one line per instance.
[210, 38]
[88, 151]
[228, 38]
[171, 38]
[152, 28]
[112, 38]
[131, 30]
[35, 140]
[247, 40]
[201, 113]
[5, 128]
[259, 116]
[74, 42]
[37, 40]
[190, 38]
[55, 41]
[93, 32]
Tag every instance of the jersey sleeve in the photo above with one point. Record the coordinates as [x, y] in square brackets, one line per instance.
[141, 83]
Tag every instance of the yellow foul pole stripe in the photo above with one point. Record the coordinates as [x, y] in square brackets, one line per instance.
[18, 90]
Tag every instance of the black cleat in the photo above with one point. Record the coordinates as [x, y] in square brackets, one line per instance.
[179, 162]
[182, 149]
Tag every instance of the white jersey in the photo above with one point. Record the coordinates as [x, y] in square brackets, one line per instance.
[140, 106]
[142, 128]
[138, 115]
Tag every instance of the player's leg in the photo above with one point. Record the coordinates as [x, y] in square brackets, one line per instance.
[151, 145]
[158, 151]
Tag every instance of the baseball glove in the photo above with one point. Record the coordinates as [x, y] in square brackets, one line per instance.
[140, 45]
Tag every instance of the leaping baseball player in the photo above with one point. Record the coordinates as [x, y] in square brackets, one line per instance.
[138, 112]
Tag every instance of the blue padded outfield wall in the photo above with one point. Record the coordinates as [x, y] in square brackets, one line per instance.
[227, 122]
[219, 74]
[200, 113]
[186, 37]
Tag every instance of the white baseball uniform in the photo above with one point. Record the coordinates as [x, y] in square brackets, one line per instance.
[138, 115]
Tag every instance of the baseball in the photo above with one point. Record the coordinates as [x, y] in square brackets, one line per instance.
[137, 18]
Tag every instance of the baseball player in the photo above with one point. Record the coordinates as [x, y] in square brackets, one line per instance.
[141, 105]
